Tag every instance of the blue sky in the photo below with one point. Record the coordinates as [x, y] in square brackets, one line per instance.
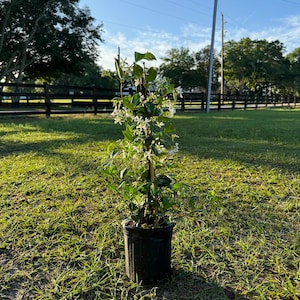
[159, 25]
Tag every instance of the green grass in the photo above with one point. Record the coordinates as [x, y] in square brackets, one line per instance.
[60, 233]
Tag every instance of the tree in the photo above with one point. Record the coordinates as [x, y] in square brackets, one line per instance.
[294, 59]
[202, 58]
[256, 65]
[92, 75]
[190, 70]
[179, 67]
[43, 38]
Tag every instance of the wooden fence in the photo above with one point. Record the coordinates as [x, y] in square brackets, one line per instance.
[54, 99]
[59, 99]
[198, 101]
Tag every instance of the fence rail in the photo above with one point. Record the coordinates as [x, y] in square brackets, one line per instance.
[60, 99]
[198, 101]
[54, 99]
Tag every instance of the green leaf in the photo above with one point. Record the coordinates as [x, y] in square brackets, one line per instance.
[119, 70]
[133, 207]
[136, 99]
[150, 107]
[167, 204]
[155, 150]
[113, 187]
[114, 153]
[138, 71]
[149, 56]
[123, 173]
[145, 174]
[178, 185]
[139, 56]
[128, 133]
[142, 110]
[151, 74]
[112, 170]
[127, 102]
[163, 180]
[168, 128]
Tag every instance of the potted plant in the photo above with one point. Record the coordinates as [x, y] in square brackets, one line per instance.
[143, 163]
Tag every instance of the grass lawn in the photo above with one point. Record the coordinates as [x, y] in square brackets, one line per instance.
[60, 233]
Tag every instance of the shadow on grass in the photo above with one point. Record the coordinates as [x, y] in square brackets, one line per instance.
[53, 133]
[188, 286]
[266, 138]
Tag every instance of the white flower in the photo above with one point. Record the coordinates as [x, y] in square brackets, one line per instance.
[174, 150]
[179, 91]
[172, 112]
[160, 124]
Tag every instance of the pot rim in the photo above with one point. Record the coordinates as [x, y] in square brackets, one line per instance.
[133, 227]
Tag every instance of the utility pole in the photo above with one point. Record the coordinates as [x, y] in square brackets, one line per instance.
[119, 62]
[119, 55]
[222, 60]
[211, 60]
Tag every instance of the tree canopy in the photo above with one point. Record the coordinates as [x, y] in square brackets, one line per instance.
[202, 58]
[255, 65]
[294, 60]
[179, 66]
[189, 69]
[92, 75]
[44, 38]
[258, 66]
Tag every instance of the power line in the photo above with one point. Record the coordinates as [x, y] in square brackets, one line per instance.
[163, 13]
[155, 11]
[290, 1]
[189, 8]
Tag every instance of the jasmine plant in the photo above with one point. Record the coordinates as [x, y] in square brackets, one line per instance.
[144, 158]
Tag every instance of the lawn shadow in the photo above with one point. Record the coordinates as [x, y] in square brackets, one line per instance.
[247, 137]
[268, 138]
[66, 130]
[188, 286]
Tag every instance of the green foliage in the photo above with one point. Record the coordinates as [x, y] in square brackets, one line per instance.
[256, 65]
[202, 59]
[294, 78]
[189, 70]
[145, 154]
[89, 74]
[45, 38]
[178, 66]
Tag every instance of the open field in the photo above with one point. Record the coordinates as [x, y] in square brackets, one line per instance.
[60, 233]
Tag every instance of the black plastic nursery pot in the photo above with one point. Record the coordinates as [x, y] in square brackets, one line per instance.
[148, 253]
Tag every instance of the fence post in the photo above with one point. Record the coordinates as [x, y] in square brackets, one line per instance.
[287, 99]
[273, 99]
[202, 102]
[264, 99]
[245, 101]
[95, 101]
[233, 101]
[281, 100]
[47, 100]
[254, 100]
[182, 102]
[1, 97]
[219, 101]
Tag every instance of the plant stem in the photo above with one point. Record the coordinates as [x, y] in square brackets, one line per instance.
[151, 178]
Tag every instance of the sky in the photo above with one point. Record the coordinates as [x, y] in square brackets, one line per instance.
[160, 25]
